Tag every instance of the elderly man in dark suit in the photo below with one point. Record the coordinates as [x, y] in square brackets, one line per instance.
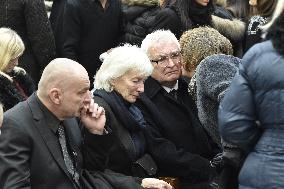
[40, 140]
[178, 142]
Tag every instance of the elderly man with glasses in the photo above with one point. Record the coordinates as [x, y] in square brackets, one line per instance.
[176, 138]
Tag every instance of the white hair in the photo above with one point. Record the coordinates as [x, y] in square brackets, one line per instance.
[119, 61]
[158, 37]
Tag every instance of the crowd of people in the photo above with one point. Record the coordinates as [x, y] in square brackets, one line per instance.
[161, 94]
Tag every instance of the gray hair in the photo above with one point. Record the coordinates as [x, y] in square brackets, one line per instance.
[158, 37]
[119, 61]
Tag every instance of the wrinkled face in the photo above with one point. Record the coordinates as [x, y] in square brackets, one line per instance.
[202, 2]
[76, 96]
[166, 60]
[129, 85]
[11, 65]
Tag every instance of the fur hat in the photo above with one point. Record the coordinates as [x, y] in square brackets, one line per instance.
[196, 44]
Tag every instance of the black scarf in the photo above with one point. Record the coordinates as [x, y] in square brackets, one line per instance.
[200, 15]
[130, 116]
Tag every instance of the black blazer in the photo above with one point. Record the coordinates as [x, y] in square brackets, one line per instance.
[177, 141]
[30, 155]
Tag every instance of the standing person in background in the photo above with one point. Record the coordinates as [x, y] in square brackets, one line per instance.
[89, 29]
[15, 84]
[144, 16]
[195, 13]
[254, 120]
[264, 11]
[56, 20]
[239, 9]
[29, 19]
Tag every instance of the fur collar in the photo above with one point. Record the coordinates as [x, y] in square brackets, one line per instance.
[147, 3]
[234, 29]
[9, 94]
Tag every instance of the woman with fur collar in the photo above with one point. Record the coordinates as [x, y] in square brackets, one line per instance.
[145, 16]
[195, 13]
[15, 84]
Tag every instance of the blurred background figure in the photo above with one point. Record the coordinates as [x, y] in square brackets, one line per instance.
[90, 28]
[15, 84]
[195, 13]
[239, 9]
[263, 10]
[29, 20]
[254, 120]
[144, 16]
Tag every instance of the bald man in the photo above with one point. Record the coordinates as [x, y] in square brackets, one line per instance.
[40, 140]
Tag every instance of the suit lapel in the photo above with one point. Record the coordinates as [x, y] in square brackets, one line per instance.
[49, 138]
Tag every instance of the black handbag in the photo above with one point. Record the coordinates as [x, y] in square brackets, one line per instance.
[144, 167]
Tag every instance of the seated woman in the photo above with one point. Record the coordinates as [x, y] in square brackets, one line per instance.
[15, 84]
[207, 59]
[118, 83]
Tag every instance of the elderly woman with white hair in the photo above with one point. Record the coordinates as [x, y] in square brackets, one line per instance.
[118, 83]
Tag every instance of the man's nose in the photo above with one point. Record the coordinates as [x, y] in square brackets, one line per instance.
[171, 63]
[88, 96]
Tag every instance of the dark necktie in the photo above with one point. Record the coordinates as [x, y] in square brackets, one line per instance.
[67, 159]
[173, 93]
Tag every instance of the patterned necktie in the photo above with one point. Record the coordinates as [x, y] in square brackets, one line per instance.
[67, 159]
[173, 93]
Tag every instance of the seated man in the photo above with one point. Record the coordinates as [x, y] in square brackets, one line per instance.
[178, 142]
[40, 139]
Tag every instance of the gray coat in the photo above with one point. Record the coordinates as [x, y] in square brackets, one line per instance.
[213, 77]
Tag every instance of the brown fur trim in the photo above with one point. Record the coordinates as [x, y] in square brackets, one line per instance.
[232, 29]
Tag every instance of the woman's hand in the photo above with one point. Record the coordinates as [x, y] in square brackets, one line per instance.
[155, 184]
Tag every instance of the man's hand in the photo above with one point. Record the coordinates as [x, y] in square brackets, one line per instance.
[93, 117]
[155, 184]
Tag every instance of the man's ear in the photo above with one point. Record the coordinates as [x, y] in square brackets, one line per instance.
[55, 95]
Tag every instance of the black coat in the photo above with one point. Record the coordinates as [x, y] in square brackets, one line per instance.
[178, 142]
[9, 93]
[122, 153]
[90, 30]
[143, 18]
[29, 19]
[39, 161]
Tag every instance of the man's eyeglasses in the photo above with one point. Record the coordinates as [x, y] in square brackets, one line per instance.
[164, 60]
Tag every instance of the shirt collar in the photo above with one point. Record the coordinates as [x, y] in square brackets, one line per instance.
[168, 89]
[52, 121]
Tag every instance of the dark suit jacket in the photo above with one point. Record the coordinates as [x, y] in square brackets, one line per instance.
[30, 155]
[176, 138]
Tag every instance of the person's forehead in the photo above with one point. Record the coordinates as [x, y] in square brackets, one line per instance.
[164, 48]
